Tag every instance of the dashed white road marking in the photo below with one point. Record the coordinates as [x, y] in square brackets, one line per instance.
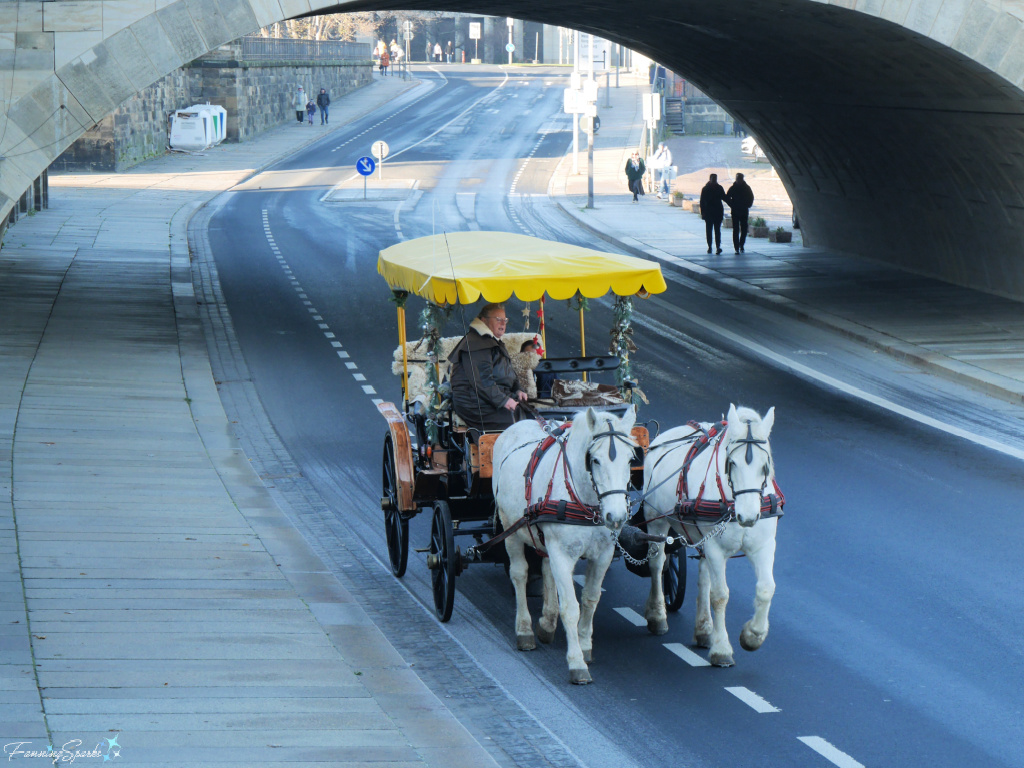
[323, 326]
[830, 753]
[632, 617]
[376, 401]
[687, 655]
[752, 700]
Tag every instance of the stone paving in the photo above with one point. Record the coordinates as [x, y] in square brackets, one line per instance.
[971, 337]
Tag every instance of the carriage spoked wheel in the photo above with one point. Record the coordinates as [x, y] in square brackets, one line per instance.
[443, 561]
[673, 579]
[396, 528]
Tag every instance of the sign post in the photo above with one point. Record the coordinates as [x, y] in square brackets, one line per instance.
[380, 151]
[365, 166]
[474, 35]
[511, 46]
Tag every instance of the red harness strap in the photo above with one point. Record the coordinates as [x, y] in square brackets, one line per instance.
[701, 509]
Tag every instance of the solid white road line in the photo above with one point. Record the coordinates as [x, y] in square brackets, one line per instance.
[632, 617]
[830, 753]
[752, 700]
[687, 655]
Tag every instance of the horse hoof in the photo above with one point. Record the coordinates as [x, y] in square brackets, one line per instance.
[525, 642]
[750, 641]
[545, 635]
[702, 641]
[580, 677]
[721, 660]
[588, 655]
[657, 626]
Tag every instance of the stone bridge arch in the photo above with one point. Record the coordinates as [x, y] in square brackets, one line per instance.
[897, 125]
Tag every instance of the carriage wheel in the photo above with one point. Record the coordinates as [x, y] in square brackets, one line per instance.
[673, 579]
[396, 527]
[443, 573]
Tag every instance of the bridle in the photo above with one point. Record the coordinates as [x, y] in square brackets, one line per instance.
[750, 442]
[613, 436]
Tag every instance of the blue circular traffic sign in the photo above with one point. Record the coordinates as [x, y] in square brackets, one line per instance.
[510, 47]
[365, 165]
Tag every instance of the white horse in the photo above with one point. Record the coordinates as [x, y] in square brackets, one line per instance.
[591, 461]
[735, 465]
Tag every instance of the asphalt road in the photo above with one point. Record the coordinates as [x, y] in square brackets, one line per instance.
[896, 622]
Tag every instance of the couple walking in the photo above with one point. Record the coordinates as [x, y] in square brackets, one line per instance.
[740, 198]
[661, 163]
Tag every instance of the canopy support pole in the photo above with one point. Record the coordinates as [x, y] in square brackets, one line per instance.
[583, 339]
[543, 328]
[405, 352]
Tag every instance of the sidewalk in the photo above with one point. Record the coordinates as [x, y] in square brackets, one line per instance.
[153, 598]
[968, 336]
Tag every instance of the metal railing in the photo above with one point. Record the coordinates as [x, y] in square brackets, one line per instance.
[288, 49]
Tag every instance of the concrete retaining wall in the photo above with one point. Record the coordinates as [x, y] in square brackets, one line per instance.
[256, 97]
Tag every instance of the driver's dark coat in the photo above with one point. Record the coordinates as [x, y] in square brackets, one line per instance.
[482, 376]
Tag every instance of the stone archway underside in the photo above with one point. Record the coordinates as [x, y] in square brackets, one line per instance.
[899, 138]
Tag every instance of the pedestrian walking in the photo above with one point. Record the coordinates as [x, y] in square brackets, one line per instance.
[635, 170]
[661, 163]
[300, 104]
[712, 210]
[448, 51]
[396, 55]
[740, 198]
[437, 52]
[310, 110]
[385, 62]
[324, 102]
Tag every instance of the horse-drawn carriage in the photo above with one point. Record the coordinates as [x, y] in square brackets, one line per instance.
[562, 480]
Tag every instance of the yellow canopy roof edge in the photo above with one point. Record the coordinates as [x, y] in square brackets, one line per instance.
[460, 267]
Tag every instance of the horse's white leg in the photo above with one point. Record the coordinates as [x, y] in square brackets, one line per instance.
[549, 613]
[517, 571]
[654, 610]
[720, 654]
[756, 630]
[703, 625]
[590, 597]
[561, 569]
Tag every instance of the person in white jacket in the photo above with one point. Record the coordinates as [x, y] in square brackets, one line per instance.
[300, 104]
[661, 163]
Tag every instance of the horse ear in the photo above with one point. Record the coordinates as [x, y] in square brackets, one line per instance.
[732, 417]
[591, 419]
[768, 421]
[629, 419]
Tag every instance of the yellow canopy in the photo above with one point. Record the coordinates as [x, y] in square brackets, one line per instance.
[460, 267]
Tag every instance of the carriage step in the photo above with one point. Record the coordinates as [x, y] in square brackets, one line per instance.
[421, 549]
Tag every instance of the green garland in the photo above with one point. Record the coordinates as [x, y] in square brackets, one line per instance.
[432, 319]
[578, 302]
[622, 345]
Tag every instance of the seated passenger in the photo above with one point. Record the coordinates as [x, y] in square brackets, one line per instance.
[485, 389]
[542, 381]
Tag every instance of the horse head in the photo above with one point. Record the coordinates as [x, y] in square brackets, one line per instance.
[606, 447]
[748, 460]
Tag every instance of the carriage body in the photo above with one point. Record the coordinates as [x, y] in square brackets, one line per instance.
[432, 462]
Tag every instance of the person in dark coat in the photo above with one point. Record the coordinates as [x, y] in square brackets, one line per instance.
[635, 171]
[323, 100]
[712, 210]
[485, 388]
[740, 198]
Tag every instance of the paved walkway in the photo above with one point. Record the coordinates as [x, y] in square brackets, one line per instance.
[153, 598]
[972, 337]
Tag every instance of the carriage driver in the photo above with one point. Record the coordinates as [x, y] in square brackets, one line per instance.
[485, 390]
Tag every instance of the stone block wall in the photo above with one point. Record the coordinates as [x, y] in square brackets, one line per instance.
[256, 97]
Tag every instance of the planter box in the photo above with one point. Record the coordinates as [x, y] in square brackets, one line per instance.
[676, 201]
[759, 231]
[695, 207]
[780, 237]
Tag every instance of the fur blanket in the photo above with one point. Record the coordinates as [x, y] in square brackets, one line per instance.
[523, 362]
